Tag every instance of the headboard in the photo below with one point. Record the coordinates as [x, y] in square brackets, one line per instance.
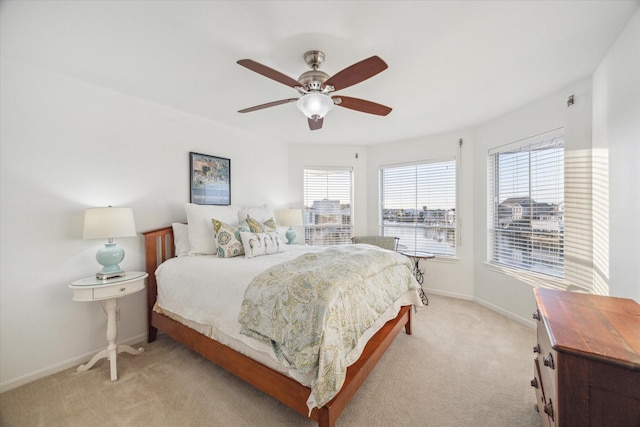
[159, 247]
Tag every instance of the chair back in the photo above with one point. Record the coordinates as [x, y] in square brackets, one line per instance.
[385, 242]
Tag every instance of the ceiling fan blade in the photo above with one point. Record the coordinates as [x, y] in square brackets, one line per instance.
[357, 73]
[362, 105]
[269, 72]
[315, 124]
[267, 105]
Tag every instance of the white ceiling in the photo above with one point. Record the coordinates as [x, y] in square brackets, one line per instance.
[452, 64]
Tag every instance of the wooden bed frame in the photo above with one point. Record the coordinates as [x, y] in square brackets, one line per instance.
[159, 247]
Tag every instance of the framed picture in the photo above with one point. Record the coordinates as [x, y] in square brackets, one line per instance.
[210, 181]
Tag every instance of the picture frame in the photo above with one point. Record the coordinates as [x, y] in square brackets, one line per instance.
[209, 179]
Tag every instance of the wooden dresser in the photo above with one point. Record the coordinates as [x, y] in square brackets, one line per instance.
[587, 365]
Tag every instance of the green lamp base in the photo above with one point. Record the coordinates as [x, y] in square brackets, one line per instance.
[291, 236]
[109, 257]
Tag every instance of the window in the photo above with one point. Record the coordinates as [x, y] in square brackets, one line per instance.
[418, 205]
[526, 205]
[327, 206]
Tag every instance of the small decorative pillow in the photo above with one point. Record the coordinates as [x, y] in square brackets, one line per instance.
[228, 238]
[256, 244]
[261, 227]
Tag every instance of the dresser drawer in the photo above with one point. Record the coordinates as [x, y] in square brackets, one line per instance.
[547, 360]
[117, 290]
[537, 384]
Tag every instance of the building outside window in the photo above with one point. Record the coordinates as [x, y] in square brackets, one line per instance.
[418, 205]
[327, 206]
[526, 205]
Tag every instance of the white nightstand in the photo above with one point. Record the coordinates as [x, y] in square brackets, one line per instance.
[92, 289]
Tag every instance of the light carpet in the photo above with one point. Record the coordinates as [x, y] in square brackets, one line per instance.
[464, 365]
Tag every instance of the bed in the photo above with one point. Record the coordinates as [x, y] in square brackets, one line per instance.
[275, 381]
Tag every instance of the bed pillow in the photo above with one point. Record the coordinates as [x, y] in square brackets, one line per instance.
[201, 237]
[181, 238]
[257, 244]
[259, 213]
[228, 238]
[261, 227]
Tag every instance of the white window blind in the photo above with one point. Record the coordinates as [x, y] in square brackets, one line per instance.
[526, 205]
[327, 206]
[418, 205]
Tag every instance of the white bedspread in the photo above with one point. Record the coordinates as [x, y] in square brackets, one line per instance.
[206, 293]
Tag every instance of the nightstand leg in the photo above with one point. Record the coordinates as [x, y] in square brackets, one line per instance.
[123, 348]
[111, 352]
[112, 334]
[100, 355]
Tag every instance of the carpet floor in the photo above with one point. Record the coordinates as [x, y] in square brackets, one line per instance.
[464, 365]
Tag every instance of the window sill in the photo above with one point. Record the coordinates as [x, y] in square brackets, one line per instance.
[536, 280]
[445, 259]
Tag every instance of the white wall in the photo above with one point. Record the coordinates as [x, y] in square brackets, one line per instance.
[65, 146]
[616, 139]
[494, 288]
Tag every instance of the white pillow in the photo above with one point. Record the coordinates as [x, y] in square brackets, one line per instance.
[259, 213]
[257, 244]
[201, 237]
[181, 238]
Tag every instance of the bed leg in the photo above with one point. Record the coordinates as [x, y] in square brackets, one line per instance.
[325, 418]
[152, 334]
[407, 326]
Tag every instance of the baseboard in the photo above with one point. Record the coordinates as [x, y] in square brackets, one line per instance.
[447, 294]
[59, 367]
[522, 320]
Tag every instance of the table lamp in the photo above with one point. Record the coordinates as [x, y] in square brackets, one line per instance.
[107, 223]
[291, 218]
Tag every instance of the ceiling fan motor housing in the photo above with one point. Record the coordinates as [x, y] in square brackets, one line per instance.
[313, 79]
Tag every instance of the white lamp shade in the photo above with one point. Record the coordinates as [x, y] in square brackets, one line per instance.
[315, 105]
[100, 223]
[289, 217]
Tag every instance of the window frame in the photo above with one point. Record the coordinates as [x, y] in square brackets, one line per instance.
[549, 270]
[343, 232]
[449, 232]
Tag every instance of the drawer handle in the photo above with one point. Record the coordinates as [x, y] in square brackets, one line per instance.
[548, 361]
[536, 348]
[123, 289]
[548, 408]
[534, 383]
[536, 314]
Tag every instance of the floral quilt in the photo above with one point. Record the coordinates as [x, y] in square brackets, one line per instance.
[313, 309]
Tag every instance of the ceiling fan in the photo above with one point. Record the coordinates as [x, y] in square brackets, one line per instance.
[316, 87]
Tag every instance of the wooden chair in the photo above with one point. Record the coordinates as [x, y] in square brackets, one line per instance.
[385, 242]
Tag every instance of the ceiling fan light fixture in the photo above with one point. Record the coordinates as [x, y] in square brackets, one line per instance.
[315, 105]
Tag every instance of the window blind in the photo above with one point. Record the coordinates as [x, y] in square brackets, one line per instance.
[418, 205]
[327, 206]
[526, 205]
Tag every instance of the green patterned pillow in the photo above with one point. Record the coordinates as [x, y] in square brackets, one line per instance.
[261, 227]
[228, 238]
